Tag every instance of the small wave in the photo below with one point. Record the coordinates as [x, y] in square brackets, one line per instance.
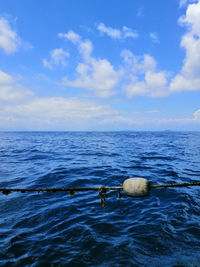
[56, 228]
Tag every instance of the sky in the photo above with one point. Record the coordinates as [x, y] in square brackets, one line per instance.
[99, 65]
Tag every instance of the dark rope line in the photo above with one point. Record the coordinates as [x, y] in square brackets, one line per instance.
[175, 185]
[63, 189]
[102, 189]
[81, 189]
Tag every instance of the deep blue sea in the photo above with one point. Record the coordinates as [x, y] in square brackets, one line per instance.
[56, 229]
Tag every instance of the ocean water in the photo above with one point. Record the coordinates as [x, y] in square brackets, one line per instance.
[56, 229]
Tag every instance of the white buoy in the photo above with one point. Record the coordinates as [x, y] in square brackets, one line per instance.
[136, 187]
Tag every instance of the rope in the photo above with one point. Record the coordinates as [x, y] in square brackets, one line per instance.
[102, 189]
[175, 185]
[57, 189]
[82, 189]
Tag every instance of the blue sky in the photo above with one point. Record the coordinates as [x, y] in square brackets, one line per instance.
[100, 65]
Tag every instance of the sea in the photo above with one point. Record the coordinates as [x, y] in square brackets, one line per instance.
[57, 229]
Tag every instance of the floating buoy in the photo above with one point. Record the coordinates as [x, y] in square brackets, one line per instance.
[136, 187]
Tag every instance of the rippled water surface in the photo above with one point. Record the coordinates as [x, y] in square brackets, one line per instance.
[56, 229]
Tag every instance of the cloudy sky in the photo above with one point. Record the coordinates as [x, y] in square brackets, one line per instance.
[99, 65]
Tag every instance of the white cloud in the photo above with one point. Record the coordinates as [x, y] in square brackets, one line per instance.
[60, 108]
[154, 37]
[142, 77]
[57, 57]
[128, 32]
[13, 93]
[5, 78]
[153, 85]
[188, 78]
[181, 83]
[156, 83]
[138, 75]
[70, 35]
[55, 113]
[85, 49]
[21, 109]
[113, 33]
[58, 113]
[138, 64]
[10, 90]
[9, 40]
[97, 75]
[116, 33]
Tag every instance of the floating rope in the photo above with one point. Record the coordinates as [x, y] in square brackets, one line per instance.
[71, 190]
[59, 189]
[175, 185]
[131, 186]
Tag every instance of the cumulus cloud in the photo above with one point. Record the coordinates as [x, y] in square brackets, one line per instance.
[9, 40]
[10, 90]
[116, 33]
[153, 85]
[57, 57]
[142, 77]
[188, 78]
[138, 64]
[138, 75]
[97, 75]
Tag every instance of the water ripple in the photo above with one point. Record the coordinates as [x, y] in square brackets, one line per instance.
[49, 229]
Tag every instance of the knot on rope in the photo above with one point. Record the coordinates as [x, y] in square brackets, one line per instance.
[103, 195]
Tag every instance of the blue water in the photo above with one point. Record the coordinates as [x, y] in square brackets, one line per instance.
[56, 229]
